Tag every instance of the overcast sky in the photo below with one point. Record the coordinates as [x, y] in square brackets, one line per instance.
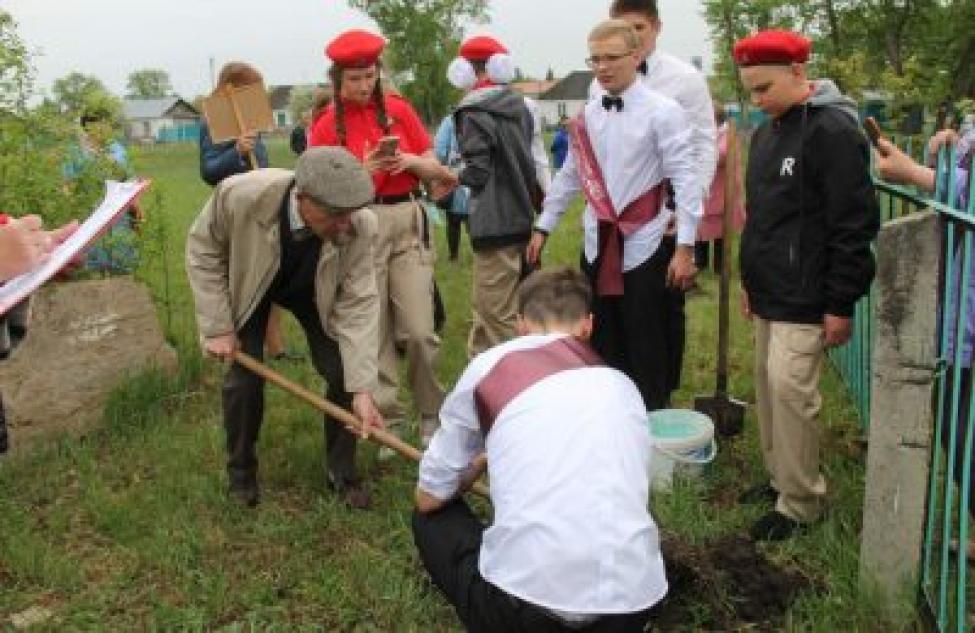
[285, 39]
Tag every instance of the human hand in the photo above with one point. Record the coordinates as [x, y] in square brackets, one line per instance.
[374, 160]
[477, 467]
[59, 236]
[682, 270]
[438, 188]
[836, 330]
[939, 140]
[448, 179]
[23, 246]
[63, 232]
[895, 166]
[533, 253]
[402, 161]
[245, 143]
[222, 347]
[364, 408]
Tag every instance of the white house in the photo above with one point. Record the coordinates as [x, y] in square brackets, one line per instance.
[280, 100]
[566, 98]
[160, 120]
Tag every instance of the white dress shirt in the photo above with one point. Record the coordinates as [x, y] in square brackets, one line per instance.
[636, 148]
[568, 461]
[685, 84]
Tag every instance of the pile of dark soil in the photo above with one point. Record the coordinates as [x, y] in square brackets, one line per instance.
[727, 585]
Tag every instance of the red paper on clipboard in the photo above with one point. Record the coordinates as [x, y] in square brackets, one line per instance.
[118, 197]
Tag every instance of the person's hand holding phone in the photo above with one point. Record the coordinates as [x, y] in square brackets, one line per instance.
[384, 156]
[873, 130]
[388, 146]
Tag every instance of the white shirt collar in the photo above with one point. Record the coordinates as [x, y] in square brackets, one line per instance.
[634, 92]
[652, 60]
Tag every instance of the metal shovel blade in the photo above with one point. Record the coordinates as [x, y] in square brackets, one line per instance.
[727, 413]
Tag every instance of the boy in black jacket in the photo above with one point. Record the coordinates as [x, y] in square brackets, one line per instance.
[805, 260]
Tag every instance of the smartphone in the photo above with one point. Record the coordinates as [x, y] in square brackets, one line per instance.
[872, 130]
[388, 145]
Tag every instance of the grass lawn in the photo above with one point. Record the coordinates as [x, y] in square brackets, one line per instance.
[129, 527]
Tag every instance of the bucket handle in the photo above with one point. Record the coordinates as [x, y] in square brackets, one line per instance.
[677, 457]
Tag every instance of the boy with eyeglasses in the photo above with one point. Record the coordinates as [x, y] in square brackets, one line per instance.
[685, 84]
[628, 142]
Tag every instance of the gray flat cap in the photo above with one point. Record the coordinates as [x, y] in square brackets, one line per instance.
[332, 177]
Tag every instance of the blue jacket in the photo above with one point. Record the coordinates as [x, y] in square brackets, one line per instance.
[448, 153]
[220, 160]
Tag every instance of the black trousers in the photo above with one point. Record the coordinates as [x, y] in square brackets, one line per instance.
[243, 395]
[642, 332]
[449, 544]
[454, 220]
[964, 406]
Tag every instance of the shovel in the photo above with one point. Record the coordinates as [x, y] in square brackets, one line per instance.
[727, 413]
[379, 436]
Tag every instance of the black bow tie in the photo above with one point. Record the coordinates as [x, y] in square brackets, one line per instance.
[610, 102]
[642, 68]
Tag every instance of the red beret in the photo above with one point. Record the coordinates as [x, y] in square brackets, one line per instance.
[481, 48]
[772, 47]
[355, 49]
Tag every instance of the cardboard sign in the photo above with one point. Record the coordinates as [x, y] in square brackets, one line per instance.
[232, 111]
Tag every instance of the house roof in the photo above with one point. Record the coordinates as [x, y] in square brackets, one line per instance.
[573, 87]
[153, 108]
[532, 88]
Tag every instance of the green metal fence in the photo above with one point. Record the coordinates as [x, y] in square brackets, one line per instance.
[947, 593]
[853, 360]
[945, 583]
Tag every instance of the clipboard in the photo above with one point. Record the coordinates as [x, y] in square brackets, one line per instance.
[118, 197]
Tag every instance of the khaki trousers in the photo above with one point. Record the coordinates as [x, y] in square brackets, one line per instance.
[497, 273]
[788, 361]
[404, 279]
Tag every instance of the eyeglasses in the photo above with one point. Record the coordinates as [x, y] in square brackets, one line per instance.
[599, 60]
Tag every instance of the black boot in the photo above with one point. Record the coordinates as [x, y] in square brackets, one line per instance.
[243, 488]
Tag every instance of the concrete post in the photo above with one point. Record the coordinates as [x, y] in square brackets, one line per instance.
[901, 420]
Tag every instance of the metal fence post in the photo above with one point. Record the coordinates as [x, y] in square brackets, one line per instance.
[901, 419]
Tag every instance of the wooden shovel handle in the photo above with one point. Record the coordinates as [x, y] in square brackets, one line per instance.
[379, 436]
[724, 288]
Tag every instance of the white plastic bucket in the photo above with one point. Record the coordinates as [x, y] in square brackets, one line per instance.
[679, 437]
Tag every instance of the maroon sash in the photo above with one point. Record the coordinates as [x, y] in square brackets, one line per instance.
[612, 227]
[521, 369]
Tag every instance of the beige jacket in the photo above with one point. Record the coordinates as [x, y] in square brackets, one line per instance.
[233, 252]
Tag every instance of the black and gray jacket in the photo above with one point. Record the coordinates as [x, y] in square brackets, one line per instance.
[494, 130]
[812, 212]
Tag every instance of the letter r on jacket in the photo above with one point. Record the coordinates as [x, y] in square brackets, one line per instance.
[787, 166]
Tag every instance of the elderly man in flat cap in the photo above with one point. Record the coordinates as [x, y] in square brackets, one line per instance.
[301, 240]
[805, 261]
